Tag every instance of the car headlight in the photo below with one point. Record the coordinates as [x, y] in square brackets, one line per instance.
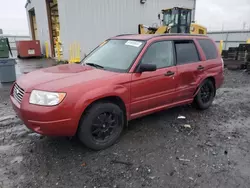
[45, 98]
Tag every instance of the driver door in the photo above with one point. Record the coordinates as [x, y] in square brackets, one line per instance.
[152, 90]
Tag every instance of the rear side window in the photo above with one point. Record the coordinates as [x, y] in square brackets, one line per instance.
[186, 52]
[208, 48]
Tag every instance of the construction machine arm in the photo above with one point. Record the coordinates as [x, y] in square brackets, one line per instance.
[143, 29]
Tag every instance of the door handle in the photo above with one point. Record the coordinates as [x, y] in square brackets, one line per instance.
[169, 73]
[200, 67]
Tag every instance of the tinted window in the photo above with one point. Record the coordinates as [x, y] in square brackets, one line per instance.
[209, 48]
[159, 53]
[186, 52]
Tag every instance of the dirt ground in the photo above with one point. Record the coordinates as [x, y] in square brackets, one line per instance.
[155, 151]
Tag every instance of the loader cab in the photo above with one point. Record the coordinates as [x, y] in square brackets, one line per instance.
[178, 20]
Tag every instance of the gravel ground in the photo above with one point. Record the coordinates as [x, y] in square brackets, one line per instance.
[155, 151]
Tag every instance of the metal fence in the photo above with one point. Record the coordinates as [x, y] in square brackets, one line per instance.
[230, 38]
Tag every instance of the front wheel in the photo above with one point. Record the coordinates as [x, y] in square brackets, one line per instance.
[101, 125]
[204, 99]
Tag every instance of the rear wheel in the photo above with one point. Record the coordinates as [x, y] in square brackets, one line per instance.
[204, 99]
[101, 125]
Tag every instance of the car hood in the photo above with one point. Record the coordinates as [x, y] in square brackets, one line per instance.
[61, 76]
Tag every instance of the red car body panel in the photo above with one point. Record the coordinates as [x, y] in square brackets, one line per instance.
[141, 94]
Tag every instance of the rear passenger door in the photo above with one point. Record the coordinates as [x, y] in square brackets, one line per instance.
[189, 67]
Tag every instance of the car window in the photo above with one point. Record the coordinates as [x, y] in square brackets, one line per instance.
[160, 54]
[209, 48]
[115, 55]
[186, 52]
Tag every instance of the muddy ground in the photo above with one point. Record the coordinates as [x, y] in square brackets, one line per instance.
[155, 151]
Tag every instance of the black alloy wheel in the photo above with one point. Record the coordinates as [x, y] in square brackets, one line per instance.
[204, 99]
[101, 125]
[104, 126]
[206, 93]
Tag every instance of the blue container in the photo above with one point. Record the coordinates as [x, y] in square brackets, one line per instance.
[7, 70]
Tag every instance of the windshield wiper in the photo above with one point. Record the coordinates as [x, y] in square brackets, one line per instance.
[95, 65]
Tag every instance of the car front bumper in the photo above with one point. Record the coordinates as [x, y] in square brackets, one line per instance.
[49, 121]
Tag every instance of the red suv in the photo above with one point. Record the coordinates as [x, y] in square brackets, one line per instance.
[126, 77]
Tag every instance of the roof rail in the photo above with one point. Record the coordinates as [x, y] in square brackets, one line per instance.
[167, 34]
[124, 35]
[182, 34]
[176, 34]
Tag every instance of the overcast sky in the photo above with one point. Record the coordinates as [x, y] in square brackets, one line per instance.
[214, 14]
[230, 13]
[13, 16]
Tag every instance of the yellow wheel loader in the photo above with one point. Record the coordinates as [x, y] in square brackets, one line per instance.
[174, 20]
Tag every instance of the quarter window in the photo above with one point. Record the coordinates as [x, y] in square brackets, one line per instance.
[208, 48]
[160, 54]
[186, 52]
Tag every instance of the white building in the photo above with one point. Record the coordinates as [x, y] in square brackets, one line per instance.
[89, 22]
[230, 38]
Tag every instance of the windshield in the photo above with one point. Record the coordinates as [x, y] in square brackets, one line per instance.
[115, 55]
[170, 17]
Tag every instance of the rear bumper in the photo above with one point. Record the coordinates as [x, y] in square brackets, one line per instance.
[43, 120]
[219, 80]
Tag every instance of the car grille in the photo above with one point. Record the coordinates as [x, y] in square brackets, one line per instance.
[18, 93]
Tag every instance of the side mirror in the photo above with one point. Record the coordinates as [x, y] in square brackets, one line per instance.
[147, 68]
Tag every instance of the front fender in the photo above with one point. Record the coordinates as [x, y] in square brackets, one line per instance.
[99, 93]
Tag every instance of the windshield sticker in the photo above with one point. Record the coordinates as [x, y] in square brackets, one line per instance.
[133, 43]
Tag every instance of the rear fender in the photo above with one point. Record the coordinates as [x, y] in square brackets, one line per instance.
[200, 83]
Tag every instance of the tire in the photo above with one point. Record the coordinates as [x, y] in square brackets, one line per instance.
[204, 101]
[98, 121]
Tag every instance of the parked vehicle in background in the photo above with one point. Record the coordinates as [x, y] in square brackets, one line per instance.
[126, 77]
